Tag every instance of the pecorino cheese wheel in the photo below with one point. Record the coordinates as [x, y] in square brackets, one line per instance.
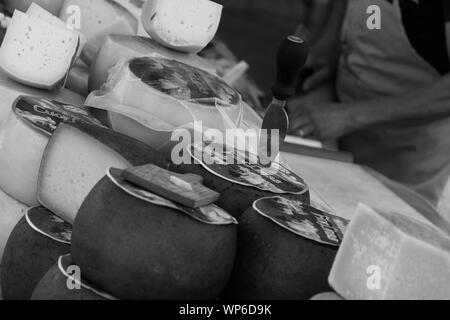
[30, 252]
[147, 251]
[274, 263]
[53, 286]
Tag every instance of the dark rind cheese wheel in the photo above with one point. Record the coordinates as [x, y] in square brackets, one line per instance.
[235, 198]
[27, 257]
[273, 263]
[143, 251]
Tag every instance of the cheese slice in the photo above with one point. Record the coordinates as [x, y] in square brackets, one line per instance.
[36, 53]
[78, 80]
[181, 25]
[53, 6]
[77, 157]
[117, 47]
[11, 211]
[96, 19]
[387, 256]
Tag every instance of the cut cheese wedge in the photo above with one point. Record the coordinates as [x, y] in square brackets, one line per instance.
[36, 53]
[117, 47]
[53, 6]
[77, 157]
[181, 25]
[386, 256]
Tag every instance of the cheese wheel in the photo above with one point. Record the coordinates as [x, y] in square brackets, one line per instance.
[145, 251]
[53, 286]
[186, 27]
[78, 80]
[77, 157]
[28, 256]
[96, 19]
[53, 6]
[273, 263]
[328, 296]
[388, 256]
[117, 47]
[36, 53]
[11, 211]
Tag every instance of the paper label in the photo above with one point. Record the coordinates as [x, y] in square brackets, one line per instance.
[210, 214]
[48, 224]
[303, 220]
[46, 115]
[235, 166]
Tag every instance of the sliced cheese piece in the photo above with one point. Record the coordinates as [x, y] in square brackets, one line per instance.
[180, 25]
[387, 256]
[78, 80]
[96, 19]
[11, 211]
[53, 6]
[36, 53]
[117, 47]
[77, 157]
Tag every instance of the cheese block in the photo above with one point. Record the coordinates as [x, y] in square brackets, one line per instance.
[54, 285]
[117, 47]
[273, 262]
[36, 53]
[186, 27]
[78, 80]
[145, 251]
[388, 256]
[24, 136]
[11, 211]
[53, 6]
[29, 254]
[77, 157]
[327, 296]
[96, 19]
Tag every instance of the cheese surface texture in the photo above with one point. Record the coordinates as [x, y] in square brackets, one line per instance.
[117, 47]
[36, 53]
[182, 25]
[386, 256]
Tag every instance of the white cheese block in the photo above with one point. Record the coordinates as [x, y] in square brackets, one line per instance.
[11, 211]
[77, 157]
[53, 6]
[117, 47]
[387, 256]
[36, 53]
[96, 19]
[78, 80]
[182, 25]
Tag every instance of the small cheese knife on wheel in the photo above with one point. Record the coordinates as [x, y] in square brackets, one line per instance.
[292, 56]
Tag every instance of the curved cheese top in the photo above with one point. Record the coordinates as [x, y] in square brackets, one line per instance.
[183, 82]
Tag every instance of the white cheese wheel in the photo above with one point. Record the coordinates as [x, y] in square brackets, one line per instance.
[52, 6]
[117, 47]
[36, 53]
[186, 26]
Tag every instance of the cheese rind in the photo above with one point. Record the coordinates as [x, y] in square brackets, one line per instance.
[77, 157]
[186, 27]
[117, 47]
[386, 256]
[36, 53]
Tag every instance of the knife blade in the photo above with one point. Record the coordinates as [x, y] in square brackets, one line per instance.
[292, 56]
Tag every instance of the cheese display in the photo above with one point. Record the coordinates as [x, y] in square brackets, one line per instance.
[117, 47]
[285, 252]
[53, 6]
[77, 157]
[388, 256]
[36, 53]
[78, 80]
[149, 248]
[11, 211]
[147, 98]
[24, 137]
[327, 296]
[96, 19]
[35, 245]
[182, 26]
[59, 283]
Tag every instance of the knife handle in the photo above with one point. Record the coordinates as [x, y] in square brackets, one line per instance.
[292, 56]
